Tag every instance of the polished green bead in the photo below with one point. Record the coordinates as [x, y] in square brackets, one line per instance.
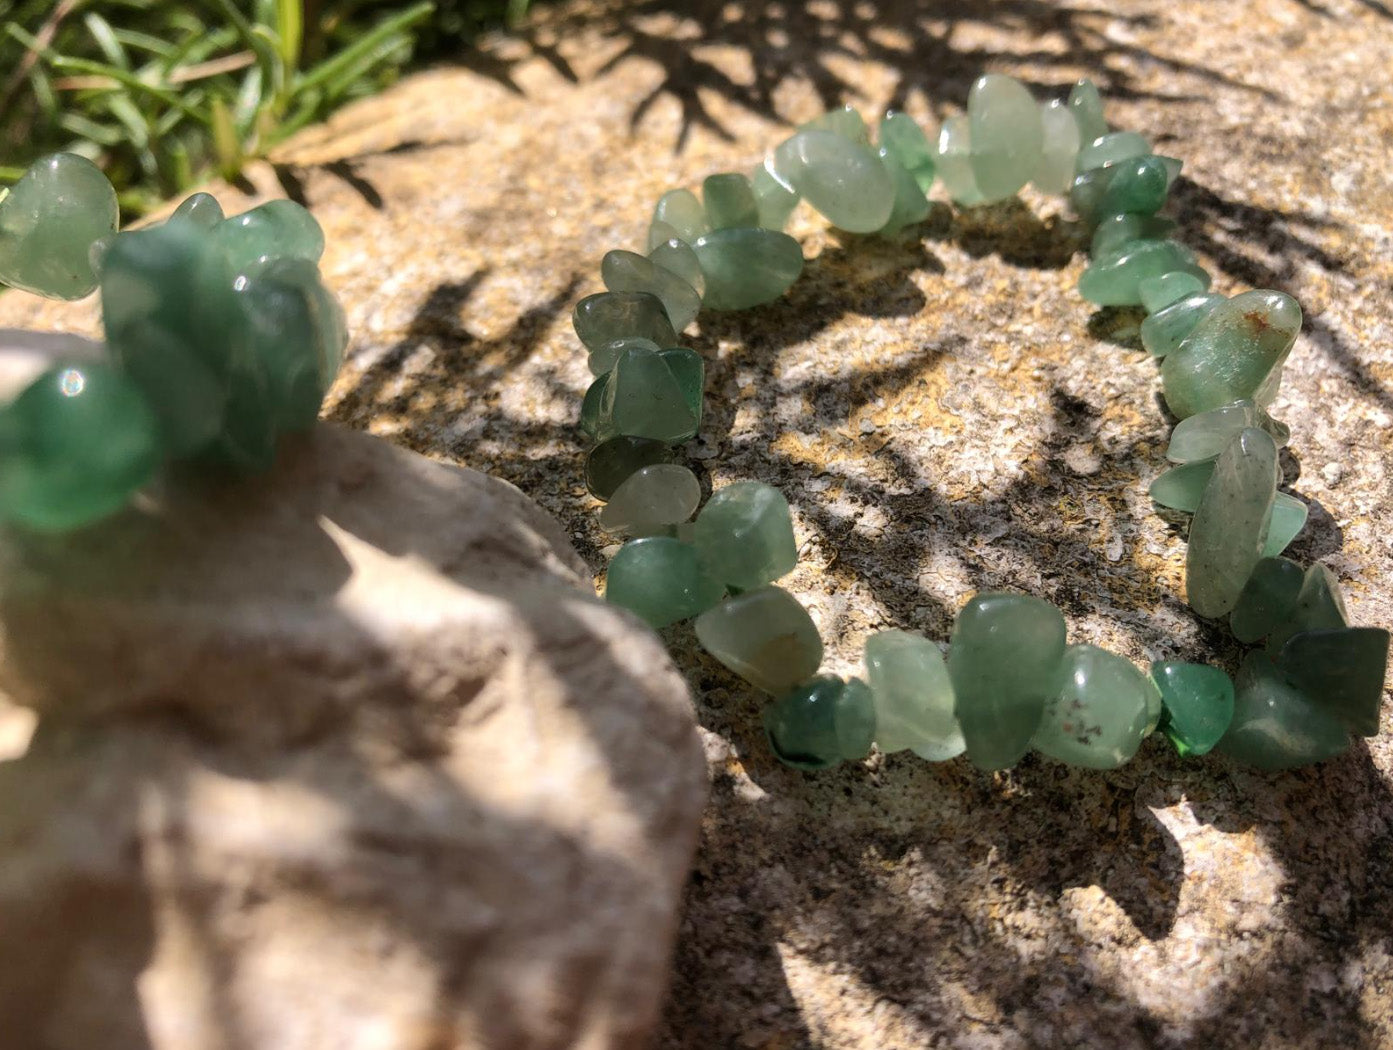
[595, 420]
[1229, 530]
[1319, 606]
[1087, 108]
[689, 369]
[1138, 186]
[1205, 435]
[911, 206]
[651, 499]
[1342, 670]
[744, 535]
[1113, 231]
[821, 723]
[1198, 702]
[645, 399]
[905, 142]
[953, 161]
[49, 220]
[1167, 328]
[1180, 488]
[747, 267]
[74, 445]
[1267, 600]
[845, 121]
[1004, 660]
[278, 229]
[680, 211]
[601, 360]
[1059, 148]
[1288, 519]
[1275, 725]
[1159, 292]
[1007, 135]
[659, 578]
[677, 256]
[661, 233]
[201, 209]
[841, 178]
[624, 271]
[1230, 352]
[1115, 279]
[774, 200]
[602, 318]
[1111, 148]
[246, 437]
[729, 201]
[913, 696]
[610, 463]
[1103, 709]
[764, 636]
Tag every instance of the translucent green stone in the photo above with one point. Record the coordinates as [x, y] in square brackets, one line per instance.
[845, 121]
[201, 209]
[744, 535]
[1342, 670]
[1205, 435]
[601, 319]
[278, 229]
[1007, 135]
[1115, 279]
[1004, 661]
[652, 498]
[1059, 148]
[645, 399]
[911, 206]
[595, 420]
[1167, 328]
[660, 579]
[821, 723]
[688, 368]
[610, 463]
[1275, 725]
[1138, 186]
[774, 200]
[1230, 352]
[77, 442]
[729, 200]
[602, 359]
[1101, 713]
[661, 233]
[1159, 292]
[843, 179]
[677, 256]
[748, 267]
[246, 438]
[905, 142]
[1267, 599]
[1087, 107]
[1229, 530]
[913, 696]
[1319, 606]
[1111, 148]
[1198, 704]
[953, 161]
[49, 221]
[1115, 230]
[764, 636]
[1288, 519]
[1180, 488]
[682, 212]
[630, 272]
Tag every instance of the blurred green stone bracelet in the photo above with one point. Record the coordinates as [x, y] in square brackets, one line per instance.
[1010, 682]
[220, 335]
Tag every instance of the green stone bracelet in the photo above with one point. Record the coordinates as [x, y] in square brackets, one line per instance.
[1010, 681]
[220, 336]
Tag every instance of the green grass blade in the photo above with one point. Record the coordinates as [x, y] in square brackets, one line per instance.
[290, 28]
[370, 43]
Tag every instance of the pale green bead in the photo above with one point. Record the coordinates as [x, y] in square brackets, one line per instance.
[1059, 148]
[1267, 599]
[680, 210]
[843, 179]
[764, 636]
[774, 200]
[1288, 519]
[49, 220]
[602, 359]
[1180, 488]
[913, 696]
[660, 579]
[747, 267]
[1004, 661]
[744, 535]
[651, 498]
[1114, 231]
[1159, 292]
[1319, 606]
[1087, 107]
[1229, 530]
[1115, 279]
[1103, 710]
[624, 271]
[201, 209]
[911, 206]
[1230, 352]
[677, 256]
[278, 229]
[1168, 327]
[953, 161]
[1275, 725]
[845, 121]
[1111, 148]
[729, 200]
[905, 141]
[661, 233]
[1207, 434]
[1007, 135]
[602, 318]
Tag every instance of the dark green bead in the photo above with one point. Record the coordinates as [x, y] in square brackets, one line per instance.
[747, 267]
[1267, 599]
[1198, 703]
[689, 369]
[601, 319]
[1342, 671]
[1116, 230]
[278, 229]
[49, 220]
[644, 398]
[1139, 186]
[74, 445]
[609, 464]
[729, 200]
[660, 579]
[1275, 725]
[765, 636]
[821, 723]
[1319, 606]
[744, 535]
[595, 420]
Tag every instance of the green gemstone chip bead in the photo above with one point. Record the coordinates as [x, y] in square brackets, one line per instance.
[843, 179]
[1059, 148]
[1342, 669]
[1319, 606]
[774, 200]
[652, 498]
[1159, 292]
[748, 267]
[77, 442]
[201, 209]
[602, 318]
[1207, 434]
[764, 636]
[911, 206]
[953, 161]
[624, 271]
[50, 219]
[644, 398]
[1138, 186]
[744, 535]
[661, 579]
[610, 463]
[1115, 279]
[1116, 230]
[681, 212]
[1004, 660]
[1111, 148]
[275, 230]
[821, 723]
[1229, 530]
[845, 121]
[603, 359]
[1267, 599]
[1288, 519]
[913, 696]
[904, 141]
[1166, 329]
[1198, 703]
[1105, 707]
[677, 256]
[1181, 488]
[1087, 107]
[1006, 133]
[729, 200]
[1275, 725]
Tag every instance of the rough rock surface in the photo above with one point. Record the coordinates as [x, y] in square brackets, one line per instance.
[945, 415]
[341, 758]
